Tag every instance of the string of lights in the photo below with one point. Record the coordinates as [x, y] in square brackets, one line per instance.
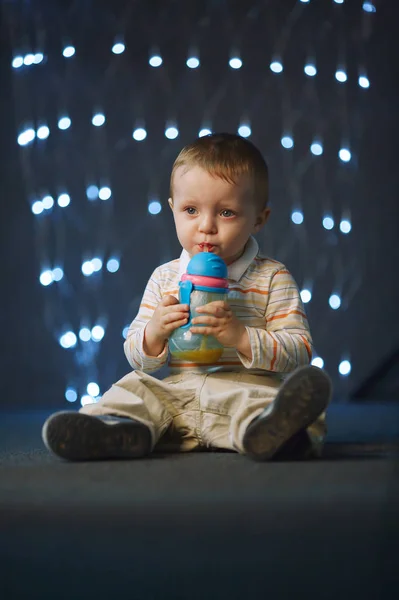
[271, 91]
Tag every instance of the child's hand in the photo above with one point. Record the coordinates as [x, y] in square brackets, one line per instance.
[168, 316]
[221, 322]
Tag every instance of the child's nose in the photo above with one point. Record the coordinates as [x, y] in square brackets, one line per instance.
[208, 224]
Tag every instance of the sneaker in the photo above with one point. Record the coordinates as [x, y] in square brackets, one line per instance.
[77, 436]
[302, 398]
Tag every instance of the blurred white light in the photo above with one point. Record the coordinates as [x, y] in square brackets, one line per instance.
[17, 62]
[341, 76]
[43, 132]
[276, 66]
[104, 193]
[29, 59]
[118, 48]
[204, 131]
[113, 265]
[193, 62]
[38, 58]
[87, 268]
[310, 70]
[85, 334]
[155, 61]
[235, 63]
[26, 137]
[318, 362]
[328, 223]
[46, 277]
[98, 120]
[139, 134]
[92, 192]
[334, 301]
[48, 202]
[64, 123]
[306, 296]
[58, 274]
[345, 155]
[63, 200]
[345, 367]
[171, 133]
[304, 1]
[244, 131]
[86, 399]
[369, 7]
[297, 217]
[97, 333]
[316, 148]
[287, 142]
[345, 226]
[68, 340]
[154, 207]
[364, 81]
[125, 331]
[97, 263]
[68, 51]
[71, 395]
[93, 389]
[37, 207]
[339, 1]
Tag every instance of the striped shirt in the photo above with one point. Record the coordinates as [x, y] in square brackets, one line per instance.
[262, 294]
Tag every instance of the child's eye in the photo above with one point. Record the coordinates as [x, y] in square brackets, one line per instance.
[189, 210]
[227, 211]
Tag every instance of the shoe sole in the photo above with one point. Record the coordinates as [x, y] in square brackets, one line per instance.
[303, 397]
[76, 436]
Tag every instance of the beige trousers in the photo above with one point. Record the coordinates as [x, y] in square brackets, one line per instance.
[194, 411]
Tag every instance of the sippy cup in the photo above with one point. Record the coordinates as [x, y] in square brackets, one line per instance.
[205, 281]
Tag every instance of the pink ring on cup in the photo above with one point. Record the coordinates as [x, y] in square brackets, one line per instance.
[205, 281]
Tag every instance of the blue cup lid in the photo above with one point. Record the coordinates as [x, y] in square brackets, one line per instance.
[207, 265]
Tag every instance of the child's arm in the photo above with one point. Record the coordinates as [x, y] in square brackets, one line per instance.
[133, 346]
[285, 343]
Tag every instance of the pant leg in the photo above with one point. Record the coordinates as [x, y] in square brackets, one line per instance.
[230, 401]
[168, 407]
[141, 397]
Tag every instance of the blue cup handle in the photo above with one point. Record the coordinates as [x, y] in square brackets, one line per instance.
[185, 289]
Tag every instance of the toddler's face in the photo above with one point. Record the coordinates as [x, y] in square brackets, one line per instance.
[213, 214]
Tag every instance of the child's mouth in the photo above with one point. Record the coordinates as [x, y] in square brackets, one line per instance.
[206, 247]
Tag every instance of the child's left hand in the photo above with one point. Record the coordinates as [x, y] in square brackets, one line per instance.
[221, 322]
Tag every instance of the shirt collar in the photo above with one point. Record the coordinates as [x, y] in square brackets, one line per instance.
[234, 271]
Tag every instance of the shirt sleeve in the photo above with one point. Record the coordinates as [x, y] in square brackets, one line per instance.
[285, 343]
[133, 345]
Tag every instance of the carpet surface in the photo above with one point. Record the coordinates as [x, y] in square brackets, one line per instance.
[203, 525]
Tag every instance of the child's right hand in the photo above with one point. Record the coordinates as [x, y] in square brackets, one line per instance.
[168, 316]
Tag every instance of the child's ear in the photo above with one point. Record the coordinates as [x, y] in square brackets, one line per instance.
[170, 202]
[262, 219]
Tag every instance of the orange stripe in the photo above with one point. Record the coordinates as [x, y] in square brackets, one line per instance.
[273, 362]
[292, 312]
[255, 290]
[172, 293]
[147, 306]
[305, 341]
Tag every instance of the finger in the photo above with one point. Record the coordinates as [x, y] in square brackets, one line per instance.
[175, 316]
[175, 325]
[206, 320]
[178, 308]
[202, 330]
[169, 300]
[214, 307]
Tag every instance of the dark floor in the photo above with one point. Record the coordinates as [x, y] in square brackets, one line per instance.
[203, 525]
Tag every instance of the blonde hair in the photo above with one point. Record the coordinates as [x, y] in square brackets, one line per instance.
[227, 156]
